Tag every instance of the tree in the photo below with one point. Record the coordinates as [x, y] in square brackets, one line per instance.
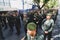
[38, 3]
[51, 4]
[46, 3]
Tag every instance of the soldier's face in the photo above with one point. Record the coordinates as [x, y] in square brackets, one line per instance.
[48, 17]
[31, 33]
[14, 15]
[25, 15]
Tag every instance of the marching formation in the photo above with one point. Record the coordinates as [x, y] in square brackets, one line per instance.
[31, 21]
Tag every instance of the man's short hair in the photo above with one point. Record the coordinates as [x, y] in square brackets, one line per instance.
[31, 26]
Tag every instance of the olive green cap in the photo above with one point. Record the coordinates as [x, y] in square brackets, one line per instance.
[49, 14]
[31, 26]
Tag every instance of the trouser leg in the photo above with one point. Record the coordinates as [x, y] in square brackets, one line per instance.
[17, 28]
[11, 26]
[45, 35]
[49, 36]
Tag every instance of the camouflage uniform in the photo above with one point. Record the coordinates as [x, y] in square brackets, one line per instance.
[37, 37]
[32, 26]
[47, 25]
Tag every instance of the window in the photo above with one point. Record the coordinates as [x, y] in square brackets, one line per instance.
[1, 3]
[7, 2]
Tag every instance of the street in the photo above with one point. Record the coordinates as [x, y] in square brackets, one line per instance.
[13, 36]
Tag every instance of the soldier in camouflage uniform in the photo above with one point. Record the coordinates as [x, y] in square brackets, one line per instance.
[31, 33]
[47, 26]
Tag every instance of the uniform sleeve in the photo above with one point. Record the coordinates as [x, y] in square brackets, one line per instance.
[43, 28]
[23, 38]
[51, 27]
[41, 37]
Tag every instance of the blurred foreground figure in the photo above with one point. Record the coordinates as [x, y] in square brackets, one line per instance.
[31, 33]
[1, 34]
[47, 26]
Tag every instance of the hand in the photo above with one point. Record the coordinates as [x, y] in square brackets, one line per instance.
[34, 18]
[36, 22]
[46, 32]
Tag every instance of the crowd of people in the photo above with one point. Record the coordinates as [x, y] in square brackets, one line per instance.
[43, 21]
[31, 21]
[9, 20]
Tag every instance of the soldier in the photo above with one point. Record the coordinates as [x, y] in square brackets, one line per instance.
[47, 26]
[25, 21]
[54, 16]
[31, 17]
[10, 21]
[31, 33]
[17, 22]
[4, 18]
[40, 18]
[35, 17]
[1, 34]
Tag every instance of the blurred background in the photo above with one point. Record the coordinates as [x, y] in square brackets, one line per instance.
[21, 8]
